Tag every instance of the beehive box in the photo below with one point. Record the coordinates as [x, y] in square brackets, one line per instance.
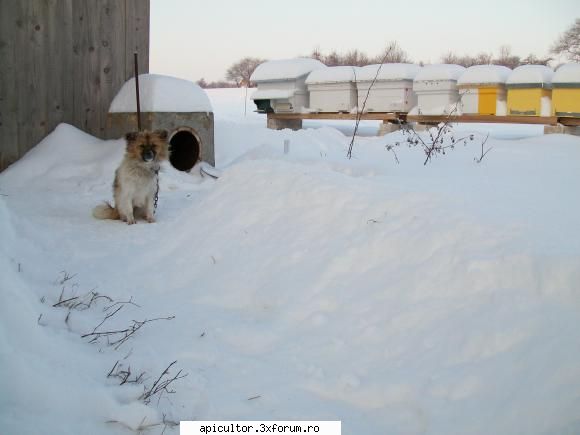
[482, 90]
[282, 85]
[332, 89]
[529, 89]
[179, 106]
[392, 90]
[566, 91]
[436, 88]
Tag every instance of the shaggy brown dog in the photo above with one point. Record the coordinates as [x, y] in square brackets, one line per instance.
[136, 179]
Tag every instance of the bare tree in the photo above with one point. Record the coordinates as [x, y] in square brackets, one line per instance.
[568, 44]
[393, 53]
[467, 60]
[241, 71]
[506, 58]
[532, 59]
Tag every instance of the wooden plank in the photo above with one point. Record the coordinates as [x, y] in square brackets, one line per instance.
[40, 56]
[24, 85]
[137, 35]
[58, 70]
[569, 122]
[111, 56]
[434, 119]
[374, 116]
[86, 77]
[9, 13]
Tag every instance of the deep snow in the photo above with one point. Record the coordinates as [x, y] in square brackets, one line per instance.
[398, 298]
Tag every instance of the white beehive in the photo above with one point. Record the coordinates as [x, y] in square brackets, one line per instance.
[281, 84]
[333, 89]
[436, 88]
[393, 89]
[483, 91]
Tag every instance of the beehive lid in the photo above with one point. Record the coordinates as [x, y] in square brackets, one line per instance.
[441, 71]
[285, 69]
[333, 74]
[160, 93]
[567, 74]
[484, 74]
[531, 75]
[271, 94]
[389, 71]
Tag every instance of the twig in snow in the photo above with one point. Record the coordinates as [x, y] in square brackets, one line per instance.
[480, 158]
[117, 337]
[161, 385]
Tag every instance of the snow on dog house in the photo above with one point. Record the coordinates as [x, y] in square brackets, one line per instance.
[282, 84]
[392, 90]
[179, 106]
[333, 89]
[566, 90]
[530, 91]
[482, 89]
[436, 88]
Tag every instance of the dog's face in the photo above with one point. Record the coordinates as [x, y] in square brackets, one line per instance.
[147, 146]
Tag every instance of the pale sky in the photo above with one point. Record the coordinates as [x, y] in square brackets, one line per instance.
[195, 39]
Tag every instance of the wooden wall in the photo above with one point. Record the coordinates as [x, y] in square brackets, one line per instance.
[64, 61]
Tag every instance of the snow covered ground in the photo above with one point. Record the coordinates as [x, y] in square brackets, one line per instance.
[398, 298]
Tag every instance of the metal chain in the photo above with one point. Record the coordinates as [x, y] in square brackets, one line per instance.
[156, 193]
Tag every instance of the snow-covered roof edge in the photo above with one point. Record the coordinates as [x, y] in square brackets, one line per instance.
[567, 74]
[333, 74]
[530, 76]
[388, 71]
[484, 74]
[285, 69]
[441, 71]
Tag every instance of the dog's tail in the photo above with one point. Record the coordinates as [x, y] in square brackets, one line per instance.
[105, 211]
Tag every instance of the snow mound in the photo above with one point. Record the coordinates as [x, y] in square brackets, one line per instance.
[531, 74]
[333, 74]
[285, 69]
[161, 93]
[65, 154]
[484, 74]
[389, 71]
[440, 72]
[568, 73]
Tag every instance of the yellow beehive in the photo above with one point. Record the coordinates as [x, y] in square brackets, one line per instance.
[482, 90]
[529, 91]
[566, 91]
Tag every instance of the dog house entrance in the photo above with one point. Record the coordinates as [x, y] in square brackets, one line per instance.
[183, 150]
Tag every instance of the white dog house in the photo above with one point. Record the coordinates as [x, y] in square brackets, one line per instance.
[482, 89]
[179, 106]
[282, 85]
[392, 90]
[333, 89]
[436, 88]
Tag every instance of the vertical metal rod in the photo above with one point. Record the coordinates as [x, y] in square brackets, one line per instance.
[137, 92]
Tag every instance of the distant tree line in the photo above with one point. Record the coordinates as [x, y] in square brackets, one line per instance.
[567, 46]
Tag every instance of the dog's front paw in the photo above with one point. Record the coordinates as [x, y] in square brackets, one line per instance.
[131, 221]
[150, 219]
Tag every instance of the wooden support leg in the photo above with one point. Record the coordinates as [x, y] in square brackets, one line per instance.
[281, 124]
[388, 127]
[562, 129]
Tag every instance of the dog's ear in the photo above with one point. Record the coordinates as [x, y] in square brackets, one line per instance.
[162, 134]
[131, 136]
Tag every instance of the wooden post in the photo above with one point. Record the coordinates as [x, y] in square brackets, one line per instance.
[137, 92]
